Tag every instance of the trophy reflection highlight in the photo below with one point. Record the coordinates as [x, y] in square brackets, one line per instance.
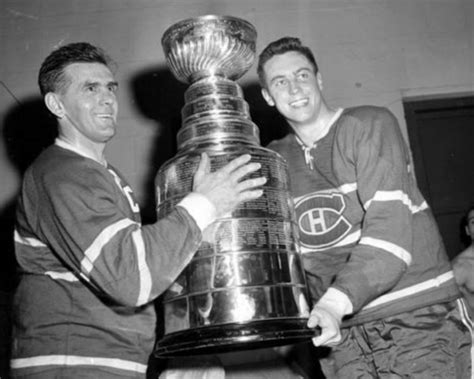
[245, 286]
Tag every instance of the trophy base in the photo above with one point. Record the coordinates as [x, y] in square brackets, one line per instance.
[234, 337]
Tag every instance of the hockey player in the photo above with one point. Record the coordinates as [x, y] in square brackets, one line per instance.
[382, 285]
[89, 269]
[463, 264]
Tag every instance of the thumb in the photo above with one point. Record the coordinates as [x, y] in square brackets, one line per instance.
[204, 167]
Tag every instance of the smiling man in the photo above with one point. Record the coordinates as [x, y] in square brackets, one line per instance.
[89, 270]
[383, 289]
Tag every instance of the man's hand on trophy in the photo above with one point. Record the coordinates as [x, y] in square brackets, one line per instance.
[225, 187]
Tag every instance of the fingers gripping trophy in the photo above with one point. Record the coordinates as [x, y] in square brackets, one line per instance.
[245, 286]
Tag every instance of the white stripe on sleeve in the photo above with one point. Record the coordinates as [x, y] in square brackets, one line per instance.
[67, 276]
[396, 250]
[94, 250]
[396, 196]
[144, 270]
[408, 291]
[28, 241]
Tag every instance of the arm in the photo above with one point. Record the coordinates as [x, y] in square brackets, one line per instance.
[378, 156]
[463, 268]
[84, 218]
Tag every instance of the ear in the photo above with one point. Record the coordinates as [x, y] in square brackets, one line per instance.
[268, 98]
[319, 79]
[54, 104]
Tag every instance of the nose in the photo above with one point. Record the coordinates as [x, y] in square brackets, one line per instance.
[107, 96]
[294, 86]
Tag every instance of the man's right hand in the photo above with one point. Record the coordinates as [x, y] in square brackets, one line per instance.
[225, 187]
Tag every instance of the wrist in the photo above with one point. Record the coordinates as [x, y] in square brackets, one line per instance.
[201, 209]
[336, 302]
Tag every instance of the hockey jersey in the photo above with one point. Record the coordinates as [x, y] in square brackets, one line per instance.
[364, 227]
[89, 270]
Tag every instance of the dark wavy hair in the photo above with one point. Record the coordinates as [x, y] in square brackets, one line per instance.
[281, 46]
[51, 76]
[465, 238]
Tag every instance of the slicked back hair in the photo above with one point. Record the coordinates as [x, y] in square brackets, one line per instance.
[465, 219]
[281, 46]
[52, 76]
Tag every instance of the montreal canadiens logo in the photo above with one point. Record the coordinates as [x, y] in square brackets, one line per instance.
[320, 220]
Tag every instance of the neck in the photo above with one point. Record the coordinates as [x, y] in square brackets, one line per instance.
[84, 146]
[313, 131]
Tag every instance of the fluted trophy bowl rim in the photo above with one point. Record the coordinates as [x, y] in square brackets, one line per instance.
[209, 45]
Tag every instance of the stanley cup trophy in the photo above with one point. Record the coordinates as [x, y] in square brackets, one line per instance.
[245, 286]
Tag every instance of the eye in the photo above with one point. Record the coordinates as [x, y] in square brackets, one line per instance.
[91, 88]
[303, 75]
[112, 88]
[280, 82]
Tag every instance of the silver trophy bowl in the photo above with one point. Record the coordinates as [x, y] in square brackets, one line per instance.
[209, 46]
[245, 287]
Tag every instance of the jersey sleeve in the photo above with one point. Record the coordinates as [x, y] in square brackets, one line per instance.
[85, 220]
[379, 156]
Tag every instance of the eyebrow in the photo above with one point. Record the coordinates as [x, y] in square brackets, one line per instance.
[301, 69]
[96, 83]
[275, 78]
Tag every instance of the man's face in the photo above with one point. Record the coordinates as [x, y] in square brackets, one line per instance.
[293, 87]
[470, 225]
[89, 101]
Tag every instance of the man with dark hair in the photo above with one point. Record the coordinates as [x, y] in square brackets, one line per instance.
[463, 264]
[383, 290]
[89, 269]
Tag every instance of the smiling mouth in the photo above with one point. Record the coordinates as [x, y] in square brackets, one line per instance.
[299, 103]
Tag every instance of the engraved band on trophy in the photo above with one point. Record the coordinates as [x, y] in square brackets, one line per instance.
[245, 286]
